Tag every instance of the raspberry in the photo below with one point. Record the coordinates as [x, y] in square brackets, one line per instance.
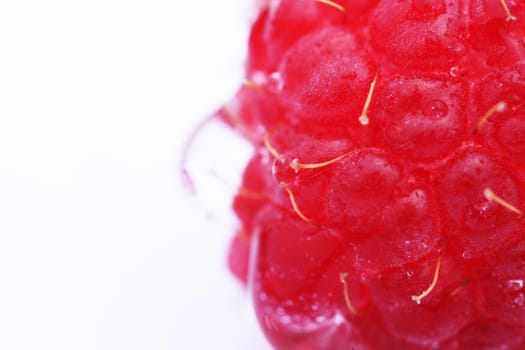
[382, 207]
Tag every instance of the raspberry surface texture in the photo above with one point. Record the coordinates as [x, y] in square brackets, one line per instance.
[383, 205]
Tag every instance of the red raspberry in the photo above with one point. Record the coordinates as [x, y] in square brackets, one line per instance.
[382, 208]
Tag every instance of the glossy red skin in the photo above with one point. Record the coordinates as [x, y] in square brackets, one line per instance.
[408, 193]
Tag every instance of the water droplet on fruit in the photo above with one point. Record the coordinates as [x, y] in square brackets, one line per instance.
[466, 254]
[294, 164]
[435, 109]
[520, 299]
[515, 284]
[281, 170]
[457, 71]
[410, 274]
[258, 77]
[418, 198]
[481, 216]
[275, 82]
[338, 319]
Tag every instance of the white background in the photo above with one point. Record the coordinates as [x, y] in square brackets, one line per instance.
[100, 246]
